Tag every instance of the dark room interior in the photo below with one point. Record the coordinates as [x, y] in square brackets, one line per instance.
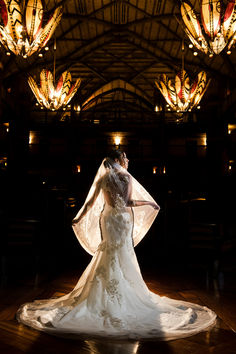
[119, 54]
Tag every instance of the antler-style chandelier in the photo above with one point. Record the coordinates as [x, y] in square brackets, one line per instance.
[22, 32]
[51, 95]
[54, 96]
[214, 29]
[181, 94]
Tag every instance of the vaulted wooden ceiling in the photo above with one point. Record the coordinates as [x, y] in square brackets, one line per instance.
[118, 48]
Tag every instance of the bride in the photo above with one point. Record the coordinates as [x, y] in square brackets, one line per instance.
[111, 298]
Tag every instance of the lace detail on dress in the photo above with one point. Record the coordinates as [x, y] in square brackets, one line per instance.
[112, 290]
[116, 185]
[111, 298]
[115, 321]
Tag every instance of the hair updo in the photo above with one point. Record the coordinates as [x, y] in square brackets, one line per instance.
[111, 156]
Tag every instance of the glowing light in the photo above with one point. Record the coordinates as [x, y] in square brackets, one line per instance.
[203, 139]
[31, 137]
[22, 32]
[231, 128]
[53, 96]
[3, 162]
[181, 94]
[214, 29]
[78, 167]
[154, 170]
[164, 170]
[117, 140]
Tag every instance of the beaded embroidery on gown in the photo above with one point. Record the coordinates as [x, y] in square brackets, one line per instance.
[111, 298]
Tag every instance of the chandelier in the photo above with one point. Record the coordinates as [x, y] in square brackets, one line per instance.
[181, 94]
[22, 32]
[214, 29]
[53, 96]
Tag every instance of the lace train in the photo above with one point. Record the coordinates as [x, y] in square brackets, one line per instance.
[111, 298]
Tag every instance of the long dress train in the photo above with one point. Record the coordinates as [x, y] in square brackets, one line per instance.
[111, 298]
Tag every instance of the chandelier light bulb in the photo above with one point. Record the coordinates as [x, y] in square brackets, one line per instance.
[190, 45]
[195, 53]
[228, 52]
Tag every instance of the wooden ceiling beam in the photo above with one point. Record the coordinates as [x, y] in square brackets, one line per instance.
[147, 103]
[85, 18]
[131, 78]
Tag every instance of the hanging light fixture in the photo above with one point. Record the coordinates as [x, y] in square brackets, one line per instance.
[22, 33]
[214, 29]
[51, 95]
[182, 94]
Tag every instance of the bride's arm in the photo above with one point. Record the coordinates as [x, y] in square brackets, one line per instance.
[89, 203]
[136, 203]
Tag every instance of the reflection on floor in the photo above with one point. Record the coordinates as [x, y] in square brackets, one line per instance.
[16, 338]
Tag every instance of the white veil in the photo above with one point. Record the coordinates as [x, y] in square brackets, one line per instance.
[88, 230]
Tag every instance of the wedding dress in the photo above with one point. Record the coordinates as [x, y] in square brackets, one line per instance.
[111, 298]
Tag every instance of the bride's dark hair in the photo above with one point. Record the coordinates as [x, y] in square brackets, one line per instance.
[112, 155]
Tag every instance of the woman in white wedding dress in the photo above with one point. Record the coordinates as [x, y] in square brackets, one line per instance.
[111, 298]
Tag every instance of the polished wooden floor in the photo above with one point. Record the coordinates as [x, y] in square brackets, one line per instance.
[217, 294]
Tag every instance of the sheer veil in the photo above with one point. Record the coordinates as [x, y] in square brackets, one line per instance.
[88, 230]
